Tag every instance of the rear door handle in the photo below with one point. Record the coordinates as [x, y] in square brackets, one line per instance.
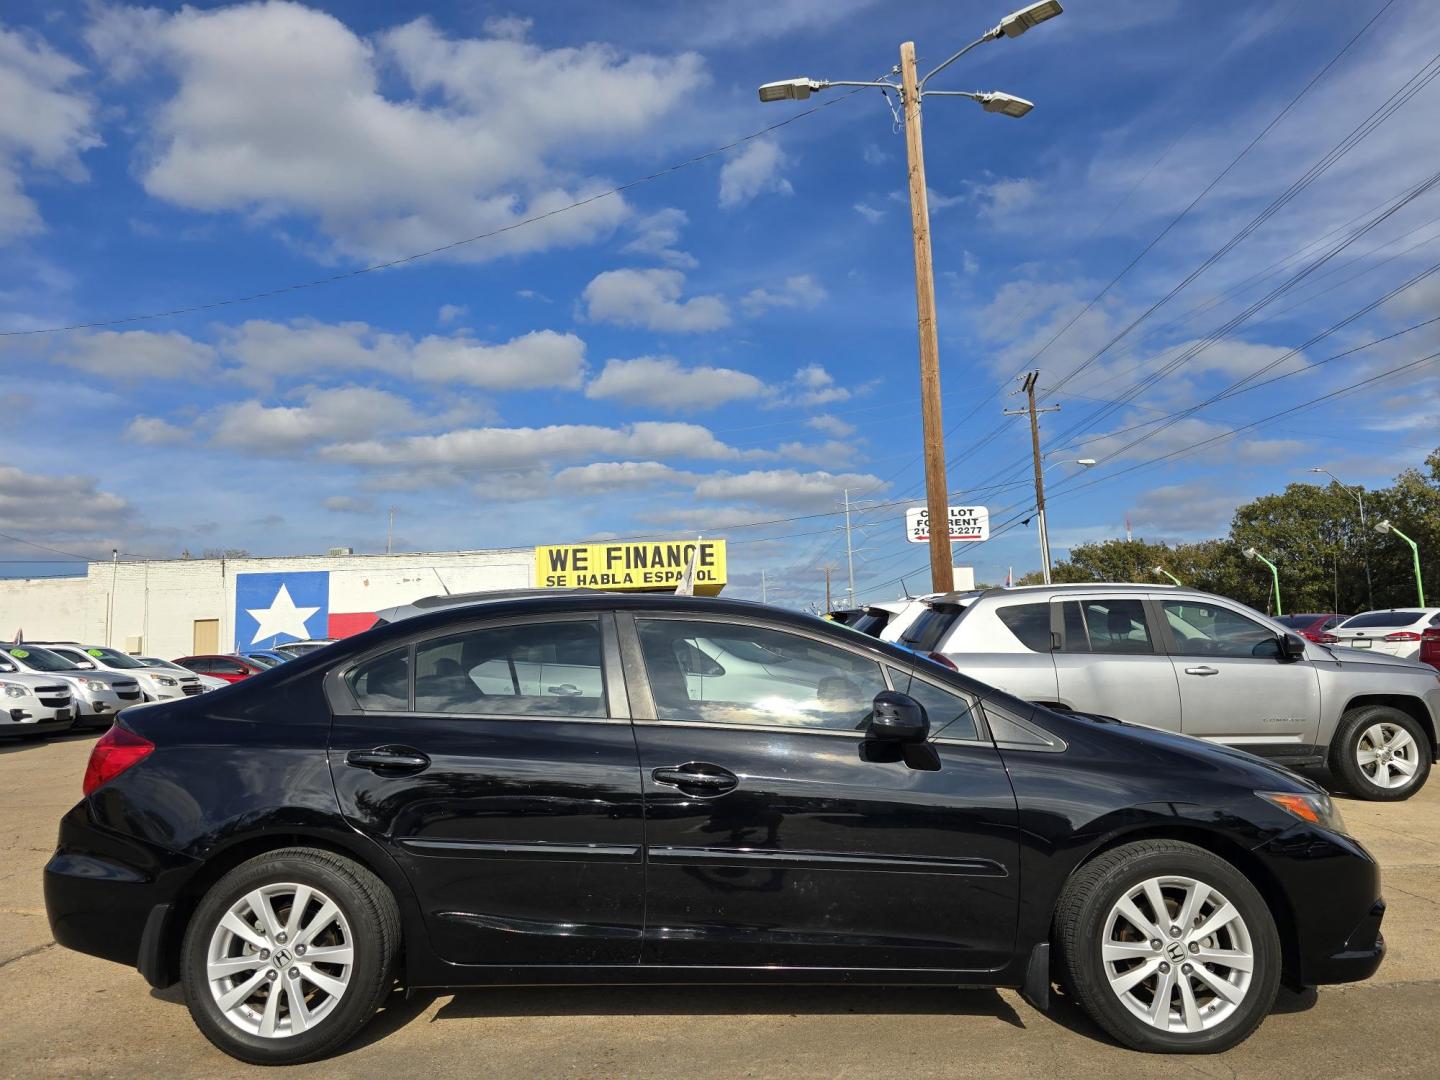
[392, 760]
[698, 777]
[1203, 670]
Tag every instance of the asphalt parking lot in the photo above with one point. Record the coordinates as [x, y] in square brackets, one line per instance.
[72, 1015]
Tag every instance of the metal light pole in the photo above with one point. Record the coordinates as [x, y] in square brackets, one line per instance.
[1359, 497]
[1384, 526]
[850, 550]
[1251, 553]
[912, 90]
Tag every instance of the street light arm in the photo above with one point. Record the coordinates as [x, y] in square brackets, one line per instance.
[989, 36]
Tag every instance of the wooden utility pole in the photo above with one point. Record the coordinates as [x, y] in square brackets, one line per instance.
[1029, 389]
[937, 497]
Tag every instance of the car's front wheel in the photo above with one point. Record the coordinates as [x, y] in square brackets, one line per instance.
[1380, 753]
[1168, 948]
[288, 955]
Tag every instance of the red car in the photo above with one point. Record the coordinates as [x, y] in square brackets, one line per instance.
[1313, 627]
[1430, 646]
[230, 668]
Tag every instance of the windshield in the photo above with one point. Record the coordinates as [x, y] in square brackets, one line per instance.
[113, 658]
[1383, 618]
[40, 659]
[871, 623]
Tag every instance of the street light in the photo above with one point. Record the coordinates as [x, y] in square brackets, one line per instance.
[1384, 526]
[1359, 497]
[1251, 553]
[1172, 577]
[911, 89]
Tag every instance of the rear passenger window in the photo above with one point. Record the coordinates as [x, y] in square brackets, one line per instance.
[383, 684]
[1030, 623]
[531, 669]
[1107, 626]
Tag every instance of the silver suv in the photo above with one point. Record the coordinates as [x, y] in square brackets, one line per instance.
[1202, 665]
[98, 695]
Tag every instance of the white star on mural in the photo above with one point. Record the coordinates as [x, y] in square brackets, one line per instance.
[281, 617]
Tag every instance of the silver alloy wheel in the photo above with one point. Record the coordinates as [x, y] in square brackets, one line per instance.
[1387, 755]
[280, 960]
[1177, 954]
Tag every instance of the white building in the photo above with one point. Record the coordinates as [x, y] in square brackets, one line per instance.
[179, 607]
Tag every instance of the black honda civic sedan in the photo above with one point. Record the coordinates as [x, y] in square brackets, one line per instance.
[612, 789]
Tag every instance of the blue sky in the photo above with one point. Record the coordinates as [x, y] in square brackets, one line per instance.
[730, 343]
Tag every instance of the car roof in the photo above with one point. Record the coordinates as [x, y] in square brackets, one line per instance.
[1126, 586]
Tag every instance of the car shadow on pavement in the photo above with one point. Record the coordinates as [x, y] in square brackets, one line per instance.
[11, 744]
[726, 1001]
[1066, 1012]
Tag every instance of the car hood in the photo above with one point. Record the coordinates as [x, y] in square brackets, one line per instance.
[1374, 659]
[1264, 775]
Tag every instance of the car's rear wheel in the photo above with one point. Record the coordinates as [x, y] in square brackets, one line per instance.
[1380, 753]
[288, 955]
[1168, 948]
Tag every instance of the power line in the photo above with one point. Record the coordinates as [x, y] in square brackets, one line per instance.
[404, 260]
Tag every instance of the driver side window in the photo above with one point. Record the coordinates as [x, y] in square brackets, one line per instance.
[1203, 629]
[755, 677]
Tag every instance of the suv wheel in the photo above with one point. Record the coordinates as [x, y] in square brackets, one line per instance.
[288, 955]
[1381, 753]
[1168, 948]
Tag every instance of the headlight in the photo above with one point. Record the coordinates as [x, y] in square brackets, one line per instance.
[165, 680]
[95, 686]
[1312, 808]
[11, 690]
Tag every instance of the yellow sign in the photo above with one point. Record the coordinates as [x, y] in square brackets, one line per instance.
[656, 567]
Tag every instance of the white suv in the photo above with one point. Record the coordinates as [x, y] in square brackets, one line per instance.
[157, 683]
[33, 704]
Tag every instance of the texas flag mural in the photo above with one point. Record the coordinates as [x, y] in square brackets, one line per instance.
[271, 609]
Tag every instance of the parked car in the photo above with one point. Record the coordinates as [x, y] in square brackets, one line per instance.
[912, 608]
[96, 695]
[1396, 631]
[1430, 646]
[33, 704]
[381, 817]
[156, 685]
[1206, 666]
[877, 616]
[229, 668]
[926, 622]
[1311, 627]
[300, 648]
[208, 682]
[268, 657]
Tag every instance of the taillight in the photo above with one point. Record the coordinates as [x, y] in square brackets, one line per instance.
[1326, 639]
[1403, 635]
[115, 752]
[943, 660]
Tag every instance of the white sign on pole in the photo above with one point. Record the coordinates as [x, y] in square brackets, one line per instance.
[967, 524]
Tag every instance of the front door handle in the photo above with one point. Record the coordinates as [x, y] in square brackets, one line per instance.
[1203, 670]
[698, 777]
[389, 760]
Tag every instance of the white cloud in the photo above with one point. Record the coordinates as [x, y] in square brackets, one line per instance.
[797, 291]
[831, 425]
[724, 22]
[45, 125]
[753, 171]
[657, 234]
[391, 144]
[449, 313]
[813, 385]
[602, 477]
[786, 488]
[154, 431]
[651, 299]
[662, 382]
[266, 350]
[342, 413]
[138, 354]
[515, 447]
[349, 504]
[874, 215]
[541, 358]
[54, 505]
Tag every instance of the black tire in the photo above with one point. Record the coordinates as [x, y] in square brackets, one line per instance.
[373, 919]
[1080, 920]
[1345, 747]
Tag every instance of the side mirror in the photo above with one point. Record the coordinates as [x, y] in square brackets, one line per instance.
[1292, 647]
[897, 717]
